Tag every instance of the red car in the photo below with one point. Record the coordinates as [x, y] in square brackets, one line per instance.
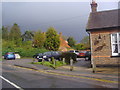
[82, 54]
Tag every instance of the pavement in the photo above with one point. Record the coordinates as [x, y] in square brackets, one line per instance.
[80, 69]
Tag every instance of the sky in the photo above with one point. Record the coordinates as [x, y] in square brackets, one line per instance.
[70, 18]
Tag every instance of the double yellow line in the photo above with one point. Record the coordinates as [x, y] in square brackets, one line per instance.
[61, 74]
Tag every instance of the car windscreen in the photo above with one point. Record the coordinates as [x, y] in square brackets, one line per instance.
[47, 53]
[40, 54]
[55, 53]
[77, 51]
[71, 51]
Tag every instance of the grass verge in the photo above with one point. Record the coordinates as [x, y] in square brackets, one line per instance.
[50, 63]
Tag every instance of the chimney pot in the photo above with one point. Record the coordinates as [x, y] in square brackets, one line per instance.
[94, 6]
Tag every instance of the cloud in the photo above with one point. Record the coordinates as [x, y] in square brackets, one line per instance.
[59, 0]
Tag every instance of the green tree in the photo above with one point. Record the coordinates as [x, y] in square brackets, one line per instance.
[80, 46]
[5, 33]
[39, 39]
[27, 36]
[86, 42]
[71, 41]
[15, 34]
[52, 39]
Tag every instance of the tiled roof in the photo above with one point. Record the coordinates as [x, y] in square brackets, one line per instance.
[103, 19]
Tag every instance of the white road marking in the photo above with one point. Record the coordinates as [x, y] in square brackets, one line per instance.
[16, 86]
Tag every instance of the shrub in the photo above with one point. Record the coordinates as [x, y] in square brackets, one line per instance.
[24, 52]
[68, 56]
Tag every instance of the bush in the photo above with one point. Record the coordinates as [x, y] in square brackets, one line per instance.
[68, 56]
[24, 52]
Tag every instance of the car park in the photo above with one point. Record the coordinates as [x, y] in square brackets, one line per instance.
[48, 55]
[9, 55]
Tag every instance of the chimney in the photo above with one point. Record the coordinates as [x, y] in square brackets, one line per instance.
[94, 6]
[60, 34]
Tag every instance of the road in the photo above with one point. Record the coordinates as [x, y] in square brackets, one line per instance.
[31, 79]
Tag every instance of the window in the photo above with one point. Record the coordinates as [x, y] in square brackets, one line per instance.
[115, 43]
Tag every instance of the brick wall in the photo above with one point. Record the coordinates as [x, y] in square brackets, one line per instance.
[101, 48]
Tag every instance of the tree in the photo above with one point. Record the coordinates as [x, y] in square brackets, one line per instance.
[71, 41]
[80, 46]
[27, 36]
[39, 39]
[15, 34]
[52, 39]
[5, 33]
[86, 42]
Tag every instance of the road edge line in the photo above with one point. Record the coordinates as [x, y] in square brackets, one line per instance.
[13, 84]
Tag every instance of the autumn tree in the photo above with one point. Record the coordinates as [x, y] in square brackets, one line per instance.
[52, 39]
[39, 39]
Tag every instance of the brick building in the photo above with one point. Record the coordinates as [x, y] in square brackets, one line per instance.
[104, 30]
[63, 44]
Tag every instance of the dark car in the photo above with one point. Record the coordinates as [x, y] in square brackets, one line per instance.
[48, 55]
[9, 55]
[37, 55]
[75, 51]
[88, 55]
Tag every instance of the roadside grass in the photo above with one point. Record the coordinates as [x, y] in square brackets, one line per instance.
[26, 57]
[50, 63]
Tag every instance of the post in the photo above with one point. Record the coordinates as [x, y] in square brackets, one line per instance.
[63, 60]
[93, 65]
[54, 62]
[71, 64]
[33, 61]
[42, 60]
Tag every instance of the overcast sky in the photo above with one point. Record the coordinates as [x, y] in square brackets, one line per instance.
[70, 18]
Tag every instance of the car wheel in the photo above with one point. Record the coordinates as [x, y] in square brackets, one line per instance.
[6, 58]
[49, 59]
[39, 60]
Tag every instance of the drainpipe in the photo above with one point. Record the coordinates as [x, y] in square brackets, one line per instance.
[92, 60]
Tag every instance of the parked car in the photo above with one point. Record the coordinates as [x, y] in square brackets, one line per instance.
[37, 55]
[88, 55]
[82, 54]
[9, 55]
[48, 55]
[17, 55]
[75, 51]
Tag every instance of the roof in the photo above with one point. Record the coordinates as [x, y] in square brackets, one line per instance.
[103, 19]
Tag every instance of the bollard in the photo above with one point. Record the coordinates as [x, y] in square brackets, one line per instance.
[54, 62]
[33, 60]
[63, 60]
[71, 64]
[93, 66]
[42, 60]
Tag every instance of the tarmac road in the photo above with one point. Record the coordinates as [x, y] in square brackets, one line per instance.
[32, 79]
[25, 78]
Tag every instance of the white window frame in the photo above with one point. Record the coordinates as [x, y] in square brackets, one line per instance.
[118, 44]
